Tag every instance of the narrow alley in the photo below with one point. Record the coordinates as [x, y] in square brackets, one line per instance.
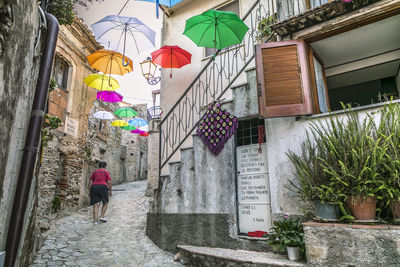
[76, 241]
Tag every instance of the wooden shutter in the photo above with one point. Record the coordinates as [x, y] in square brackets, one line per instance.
[283, 79]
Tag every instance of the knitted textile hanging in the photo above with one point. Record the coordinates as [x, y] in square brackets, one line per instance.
[216, 127]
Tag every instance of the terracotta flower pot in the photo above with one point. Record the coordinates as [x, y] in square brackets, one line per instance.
[395, 208]
[362, 208]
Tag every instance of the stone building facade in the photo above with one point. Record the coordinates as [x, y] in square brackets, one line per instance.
[82, 141]
[19, 65]
[136, 150]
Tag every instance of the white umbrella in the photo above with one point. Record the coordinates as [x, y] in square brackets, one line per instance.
[103, 115]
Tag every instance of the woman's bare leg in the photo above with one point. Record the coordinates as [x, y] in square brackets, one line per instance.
[96, 212]
[103, 210]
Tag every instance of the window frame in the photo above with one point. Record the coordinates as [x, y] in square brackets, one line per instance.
[58, 61]
[311, 55]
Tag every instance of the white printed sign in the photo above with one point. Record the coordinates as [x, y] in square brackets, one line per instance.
[253, 189]
[71, 126]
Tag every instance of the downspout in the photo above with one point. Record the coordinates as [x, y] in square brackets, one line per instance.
[31, 144]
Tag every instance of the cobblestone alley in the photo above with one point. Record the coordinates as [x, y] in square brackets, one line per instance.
[76, 241]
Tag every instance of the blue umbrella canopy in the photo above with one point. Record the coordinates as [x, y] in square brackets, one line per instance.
[138, 122]
[115, 31]
[168, 3]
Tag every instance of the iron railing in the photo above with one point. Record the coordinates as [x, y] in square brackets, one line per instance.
[210, 85]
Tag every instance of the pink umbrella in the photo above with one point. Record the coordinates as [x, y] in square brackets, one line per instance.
[137, 131]
[109, 96]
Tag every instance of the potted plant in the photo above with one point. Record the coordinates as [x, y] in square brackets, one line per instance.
[312, 183]
[355, 158]
[389, 130]
[264, 27]
[287, 235]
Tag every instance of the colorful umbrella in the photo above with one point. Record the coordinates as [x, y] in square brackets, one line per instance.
[144, 134]
[215, 29]
[138, 122]
[111, 29]
[99, 82]
[168, 3]
[109, 62]
[138, 131]
[119, 123]
[103, 115]
[125, 113]
[109, 96]
[171, 57]
[129, 128]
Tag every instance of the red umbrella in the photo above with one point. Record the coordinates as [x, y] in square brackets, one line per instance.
[171, 57]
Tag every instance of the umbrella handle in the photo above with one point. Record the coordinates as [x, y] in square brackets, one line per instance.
[123, 61]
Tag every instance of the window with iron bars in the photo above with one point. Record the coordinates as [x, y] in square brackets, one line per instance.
[247, 133]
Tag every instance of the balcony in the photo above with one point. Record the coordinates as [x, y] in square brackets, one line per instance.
[296, 15]
[154, 112]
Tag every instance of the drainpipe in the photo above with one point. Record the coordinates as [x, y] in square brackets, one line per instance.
[31, 144]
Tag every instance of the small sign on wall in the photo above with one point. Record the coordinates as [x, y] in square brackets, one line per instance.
[253, 189]
[71, 126]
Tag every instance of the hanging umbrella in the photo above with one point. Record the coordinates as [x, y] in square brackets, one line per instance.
[111, 29]
[100, 82]
[125, 113]
[144, 134]
[129, 128]
[215, 29]
[103, 115]
[109, 62]
[109, 96]
[138, 131]
[138, 122]
[171, 57]
[168, 3]
[119, 123]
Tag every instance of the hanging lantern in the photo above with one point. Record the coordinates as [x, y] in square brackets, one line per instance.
[148, 71]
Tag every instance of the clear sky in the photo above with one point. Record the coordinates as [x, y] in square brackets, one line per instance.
[134, 87]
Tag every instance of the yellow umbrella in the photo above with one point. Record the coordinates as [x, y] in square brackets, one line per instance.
[119, 123]
[99, 82]
[109, 62]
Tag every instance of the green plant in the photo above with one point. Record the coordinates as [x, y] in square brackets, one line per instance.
[50, 123]
[56, 202]
[88, 151]
[264, 26]
[389, 131]
[287, 232]
[53, 85]
[62, 10]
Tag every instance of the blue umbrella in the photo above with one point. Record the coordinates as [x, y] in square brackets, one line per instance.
[168, 3]
[138, 122]
[111, 29]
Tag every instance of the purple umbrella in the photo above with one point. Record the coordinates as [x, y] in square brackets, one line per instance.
[109, 96]
[137, 131]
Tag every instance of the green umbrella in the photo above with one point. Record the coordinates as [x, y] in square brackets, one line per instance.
[129, 128]
[215, 29]
[125, 113]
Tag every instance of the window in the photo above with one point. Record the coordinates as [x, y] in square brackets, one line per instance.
[232, 7]
[60, 73]
[247, 133]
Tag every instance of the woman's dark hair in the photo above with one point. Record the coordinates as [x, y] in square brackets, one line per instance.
[102, 164]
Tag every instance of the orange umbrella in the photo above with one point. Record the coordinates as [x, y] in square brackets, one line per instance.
[109, 62]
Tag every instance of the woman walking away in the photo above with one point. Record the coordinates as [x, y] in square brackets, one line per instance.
[99, 185]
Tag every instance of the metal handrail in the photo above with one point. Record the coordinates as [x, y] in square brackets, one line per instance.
[210, 85]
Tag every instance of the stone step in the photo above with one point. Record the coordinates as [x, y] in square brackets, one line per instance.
[207, 256]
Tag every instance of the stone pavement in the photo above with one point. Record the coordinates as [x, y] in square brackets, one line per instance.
[76, 241]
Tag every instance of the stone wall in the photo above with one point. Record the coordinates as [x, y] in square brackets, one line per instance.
[19, 63]
[333, 245]
[153, 157]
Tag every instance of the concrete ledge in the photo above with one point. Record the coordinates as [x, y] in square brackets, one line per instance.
[335, 244]
[207, 256]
